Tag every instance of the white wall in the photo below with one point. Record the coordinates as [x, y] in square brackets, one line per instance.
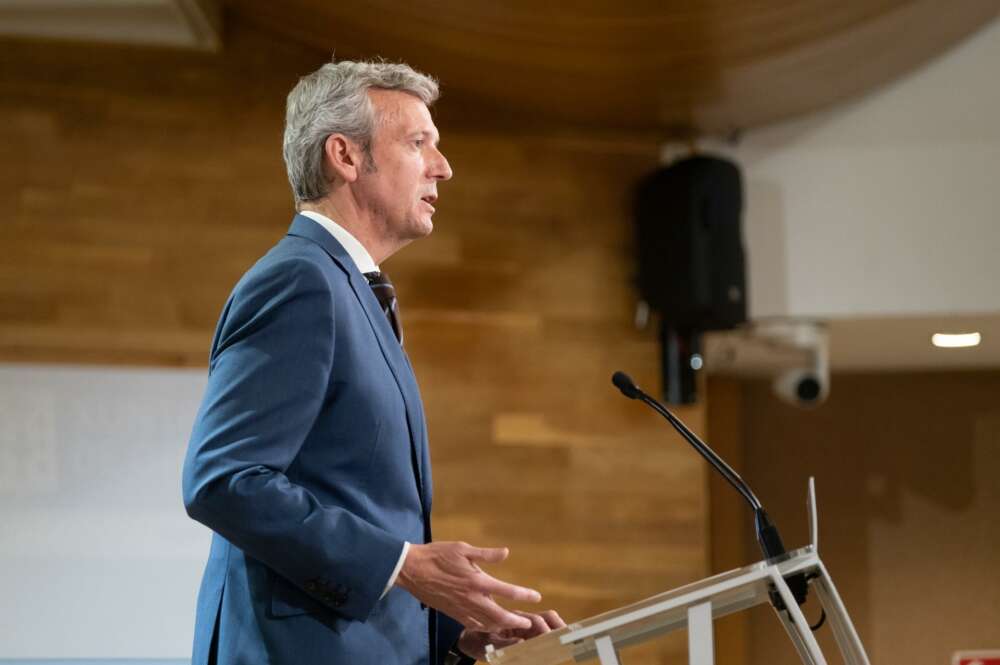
[97, 556]
[889, 205]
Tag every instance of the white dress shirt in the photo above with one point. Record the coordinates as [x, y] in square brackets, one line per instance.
[365, 263]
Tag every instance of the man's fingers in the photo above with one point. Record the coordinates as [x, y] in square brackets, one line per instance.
[500, 619]
[539, 626]
[499, 642]
[474, 624]
[495, 587]
[487, 554]
[553, 619]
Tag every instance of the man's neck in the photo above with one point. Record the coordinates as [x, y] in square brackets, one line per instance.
[349, 222]
[347, 217]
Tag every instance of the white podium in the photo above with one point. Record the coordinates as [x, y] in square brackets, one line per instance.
[695, 607]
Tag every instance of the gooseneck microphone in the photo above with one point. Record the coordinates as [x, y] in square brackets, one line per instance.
[767, 532]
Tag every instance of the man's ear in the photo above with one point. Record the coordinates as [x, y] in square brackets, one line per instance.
[343, 157]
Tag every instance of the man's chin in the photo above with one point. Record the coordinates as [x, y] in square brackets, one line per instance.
[416, 229]
[423, 228]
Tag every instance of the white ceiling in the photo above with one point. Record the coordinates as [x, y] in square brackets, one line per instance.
[879, 218]
[863, 345]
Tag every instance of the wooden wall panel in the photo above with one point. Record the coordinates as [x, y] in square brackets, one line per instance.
[137, 185]
[907, 471]
[729, 517]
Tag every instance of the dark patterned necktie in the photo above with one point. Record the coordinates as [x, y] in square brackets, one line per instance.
[386, 295]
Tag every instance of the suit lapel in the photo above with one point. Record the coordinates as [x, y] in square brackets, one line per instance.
[398, 363]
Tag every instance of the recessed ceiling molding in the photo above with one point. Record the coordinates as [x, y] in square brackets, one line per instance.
[188, 24]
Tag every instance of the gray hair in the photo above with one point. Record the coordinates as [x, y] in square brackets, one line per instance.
[334, 100]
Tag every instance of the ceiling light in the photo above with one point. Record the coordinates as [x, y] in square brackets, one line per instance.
[950, 341]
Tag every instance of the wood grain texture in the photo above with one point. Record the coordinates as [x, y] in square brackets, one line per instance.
[665, 67]
[138, 185]
[729, 517]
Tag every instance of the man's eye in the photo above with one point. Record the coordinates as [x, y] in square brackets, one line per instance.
[419, 143]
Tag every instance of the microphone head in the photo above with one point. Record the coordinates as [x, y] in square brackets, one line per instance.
[625, 384]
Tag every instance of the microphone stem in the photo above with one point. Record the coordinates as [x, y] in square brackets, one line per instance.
[767, 532]
[706, 452]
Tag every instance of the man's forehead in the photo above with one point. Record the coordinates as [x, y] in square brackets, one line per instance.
[401, 112]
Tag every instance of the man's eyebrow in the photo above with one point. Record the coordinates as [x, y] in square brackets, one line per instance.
[425, 134]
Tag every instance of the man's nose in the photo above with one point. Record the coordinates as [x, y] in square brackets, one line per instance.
[440, 168]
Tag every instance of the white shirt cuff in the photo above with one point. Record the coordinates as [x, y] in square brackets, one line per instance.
[395, 571]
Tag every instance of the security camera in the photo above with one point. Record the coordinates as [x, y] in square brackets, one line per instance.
[802, 386]
[794, 352]
[807, 383]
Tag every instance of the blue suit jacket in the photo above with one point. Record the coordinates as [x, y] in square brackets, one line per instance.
[309, 461]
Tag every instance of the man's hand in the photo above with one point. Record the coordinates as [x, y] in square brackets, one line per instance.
[473, 642]
[446, 576]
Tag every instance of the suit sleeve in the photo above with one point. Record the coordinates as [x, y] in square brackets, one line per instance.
[268, 379]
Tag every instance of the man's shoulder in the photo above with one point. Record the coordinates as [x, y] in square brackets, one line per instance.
[299, 254]
[292, 263]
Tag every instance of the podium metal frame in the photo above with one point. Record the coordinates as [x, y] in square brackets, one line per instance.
[695, 607]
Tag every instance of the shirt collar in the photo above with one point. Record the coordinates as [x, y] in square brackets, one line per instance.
[362, 259]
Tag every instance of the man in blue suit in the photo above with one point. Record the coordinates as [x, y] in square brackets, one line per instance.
[309, 456]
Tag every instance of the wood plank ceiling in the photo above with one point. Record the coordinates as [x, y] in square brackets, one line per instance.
[654, 66]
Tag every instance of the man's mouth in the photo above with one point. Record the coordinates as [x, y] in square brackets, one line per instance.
[429, 200]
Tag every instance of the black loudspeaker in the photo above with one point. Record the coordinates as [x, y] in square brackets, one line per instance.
[691, 262]
[690, 246]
